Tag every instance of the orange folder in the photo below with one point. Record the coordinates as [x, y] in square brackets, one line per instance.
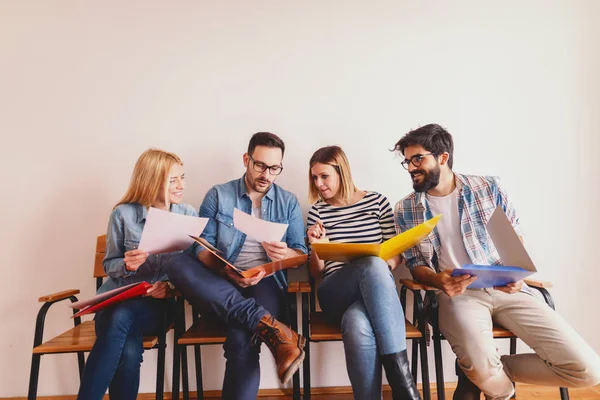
[269, 268]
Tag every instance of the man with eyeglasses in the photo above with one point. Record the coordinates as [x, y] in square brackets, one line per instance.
[562, 358]
[250, 307]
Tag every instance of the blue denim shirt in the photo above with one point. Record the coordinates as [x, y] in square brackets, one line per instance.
[278, 205]
[124, 232]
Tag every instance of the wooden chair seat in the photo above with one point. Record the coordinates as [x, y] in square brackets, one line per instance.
[204, 331]
[500, 332]
[322, 331]
[80, 338]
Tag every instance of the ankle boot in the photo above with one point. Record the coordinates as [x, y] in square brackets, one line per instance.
[285, 344]
[397, 371]
[465, 389]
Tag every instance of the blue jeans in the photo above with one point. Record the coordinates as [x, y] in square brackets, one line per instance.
[114, 361]
[363, 299]
[240, 309]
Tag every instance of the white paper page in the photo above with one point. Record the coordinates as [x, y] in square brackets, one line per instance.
[507, 242]
[257, 229]
[165, 231]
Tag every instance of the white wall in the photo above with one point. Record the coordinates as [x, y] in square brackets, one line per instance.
[85, 87]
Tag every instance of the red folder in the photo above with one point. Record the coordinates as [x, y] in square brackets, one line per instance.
[111, 297]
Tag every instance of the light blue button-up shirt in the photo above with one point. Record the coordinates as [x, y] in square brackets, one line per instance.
[278, 205]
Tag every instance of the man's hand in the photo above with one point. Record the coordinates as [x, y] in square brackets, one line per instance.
[277, 250]
[159, 290]
[454, 285]
[134, 258]
[511, 288]
[240, 280]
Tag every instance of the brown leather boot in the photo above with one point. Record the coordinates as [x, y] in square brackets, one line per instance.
[285, 344]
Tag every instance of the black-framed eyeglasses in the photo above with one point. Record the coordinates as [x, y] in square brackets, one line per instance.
[415, 160]
[262, 167]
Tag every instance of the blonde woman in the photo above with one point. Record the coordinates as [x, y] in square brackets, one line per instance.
[114, 361]
[360, 295]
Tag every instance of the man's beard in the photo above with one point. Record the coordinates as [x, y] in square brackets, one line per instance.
[430, 179]
[260, 189]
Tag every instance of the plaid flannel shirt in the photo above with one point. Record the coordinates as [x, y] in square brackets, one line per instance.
[478, 198]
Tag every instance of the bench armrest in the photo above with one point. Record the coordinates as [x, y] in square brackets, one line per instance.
[65, 294]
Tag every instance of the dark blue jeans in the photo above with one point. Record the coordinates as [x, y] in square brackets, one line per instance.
[114, 362]
[240, 309]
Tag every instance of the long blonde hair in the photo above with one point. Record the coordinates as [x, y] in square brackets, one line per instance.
[150, 176]
[334, 156]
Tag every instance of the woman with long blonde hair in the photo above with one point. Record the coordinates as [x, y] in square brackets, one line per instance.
[360, 295]
[114, 361]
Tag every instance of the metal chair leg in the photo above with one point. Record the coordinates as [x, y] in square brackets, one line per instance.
[306, 334]
[34, 376]
[439, 366]
[160, 368]
[198, 363]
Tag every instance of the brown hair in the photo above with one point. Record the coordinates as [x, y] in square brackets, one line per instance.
[334, 156]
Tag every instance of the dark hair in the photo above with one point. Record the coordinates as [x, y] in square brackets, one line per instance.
[432, 137]
[267, 139]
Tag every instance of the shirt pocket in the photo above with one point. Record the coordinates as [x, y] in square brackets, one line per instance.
[225, 230]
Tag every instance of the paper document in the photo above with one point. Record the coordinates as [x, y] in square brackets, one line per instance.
[346, 252]
[165, 231]
[269, 268]
[258, 229]
[516, 262]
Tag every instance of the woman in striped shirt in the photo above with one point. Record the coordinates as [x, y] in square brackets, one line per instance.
[360, 295]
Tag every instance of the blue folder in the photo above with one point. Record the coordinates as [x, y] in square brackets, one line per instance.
[492, 275]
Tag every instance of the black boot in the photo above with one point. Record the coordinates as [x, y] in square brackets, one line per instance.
[397, 371]
[465, 389]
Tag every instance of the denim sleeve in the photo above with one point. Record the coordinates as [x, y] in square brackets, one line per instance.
[295, 235]
[115, 247]
[209, 209]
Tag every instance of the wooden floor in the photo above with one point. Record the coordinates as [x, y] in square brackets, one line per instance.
[524, 392]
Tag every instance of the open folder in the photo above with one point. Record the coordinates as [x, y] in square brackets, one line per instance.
[516, 262]
[106, 299]
[269, 268]
[346, 252]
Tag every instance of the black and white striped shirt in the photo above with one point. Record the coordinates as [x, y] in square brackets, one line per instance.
[370, 220]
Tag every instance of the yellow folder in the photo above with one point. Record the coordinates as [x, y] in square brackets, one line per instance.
[345, 252]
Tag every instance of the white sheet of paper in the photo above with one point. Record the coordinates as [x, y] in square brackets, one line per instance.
[257, 229]
[165, 231]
